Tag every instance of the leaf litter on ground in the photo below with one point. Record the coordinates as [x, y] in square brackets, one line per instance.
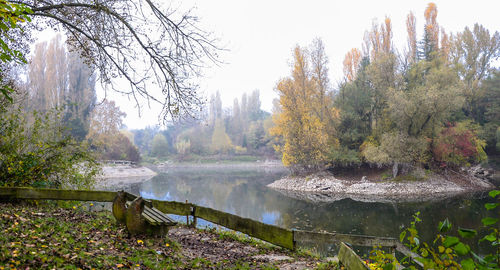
[49, 236]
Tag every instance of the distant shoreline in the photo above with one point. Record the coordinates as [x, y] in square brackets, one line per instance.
[222, 164]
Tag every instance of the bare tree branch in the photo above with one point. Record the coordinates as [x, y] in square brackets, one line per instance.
[159, 51]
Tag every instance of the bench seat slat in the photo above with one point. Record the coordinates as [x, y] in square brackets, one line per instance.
[149, 219]
[156, 217]
[152, 219]
[153, 214]
[162, 216]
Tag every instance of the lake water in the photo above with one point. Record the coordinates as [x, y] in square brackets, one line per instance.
[244, 192]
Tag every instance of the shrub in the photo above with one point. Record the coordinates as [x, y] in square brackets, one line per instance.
[35, 150]
[459, 145]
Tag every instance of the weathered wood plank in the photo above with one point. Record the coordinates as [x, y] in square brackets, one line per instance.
[355, 240]
[408, 253]
[150, 219]
[350, 259]
[150, 213]
[272, 234]
[56, 194]
[171, 207]
[162, 216]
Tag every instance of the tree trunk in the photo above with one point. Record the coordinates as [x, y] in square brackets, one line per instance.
[395, 169]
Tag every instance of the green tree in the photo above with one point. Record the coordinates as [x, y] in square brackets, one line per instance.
[256, 138]
[489, 105]
[354, 102]
[430, 42]
[12, 16]
[159, 147]
[199, 137]
[35, 150]
[415, 114]
[473, 52]
[424, 105]
[144, 137]
[235, 129]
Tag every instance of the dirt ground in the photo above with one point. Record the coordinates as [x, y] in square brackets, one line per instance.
[209, 245]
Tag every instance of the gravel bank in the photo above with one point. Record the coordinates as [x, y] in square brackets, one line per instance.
[325, 187]
[123, 175]
[119, 171]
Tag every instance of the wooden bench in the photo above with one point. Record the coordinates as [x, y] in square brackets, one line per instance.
[157, 219]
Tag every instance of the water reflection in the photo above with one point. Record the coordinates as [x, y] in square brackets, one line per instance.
[244, 193]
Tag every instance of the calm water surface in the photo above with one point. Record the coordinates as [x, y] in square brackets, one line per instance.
[243, 192]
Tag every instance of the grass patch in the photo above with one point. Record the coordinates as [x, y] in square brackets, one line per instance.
[406, 178]
[386, 175]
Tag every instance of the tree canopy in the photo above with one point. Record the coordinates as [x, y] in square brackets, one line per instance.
[434, 105]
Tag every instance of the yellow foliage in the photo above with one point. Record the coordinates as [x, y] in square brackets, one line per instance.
[221, 143]
[299, 123]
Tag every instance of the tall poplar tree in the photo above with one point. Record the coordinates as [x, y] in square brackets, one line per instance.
[299, 123]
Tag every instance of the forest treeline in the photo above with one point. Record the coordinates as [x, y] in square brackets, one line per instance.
[241, 130]
[435, 104]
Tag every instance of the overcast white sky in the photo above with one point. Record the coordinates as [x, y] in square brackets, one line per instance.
[260, 35]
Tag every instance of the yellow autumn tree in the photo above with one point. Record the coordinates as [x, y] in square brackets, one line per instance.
[411, 30]
[221, 143]
[351, 64]
[303, 119]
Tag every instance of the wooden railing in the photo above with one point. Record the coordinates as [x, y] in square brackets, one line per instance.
[118, 162]
[273, 234]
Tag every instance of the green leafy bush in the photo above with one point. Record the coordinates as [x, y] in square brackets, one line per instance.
[36, 150]
[446, 251]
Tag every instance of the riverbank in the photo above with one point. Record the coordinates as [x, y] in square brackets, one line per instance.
[48, 236]
[326, 187]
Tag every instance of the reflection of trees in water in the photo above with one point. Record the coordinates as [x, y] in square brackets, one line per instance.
[244, 193]
[237, 192]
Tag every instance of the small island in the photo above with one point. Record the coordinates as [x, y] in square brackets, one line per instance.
[375, 186]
